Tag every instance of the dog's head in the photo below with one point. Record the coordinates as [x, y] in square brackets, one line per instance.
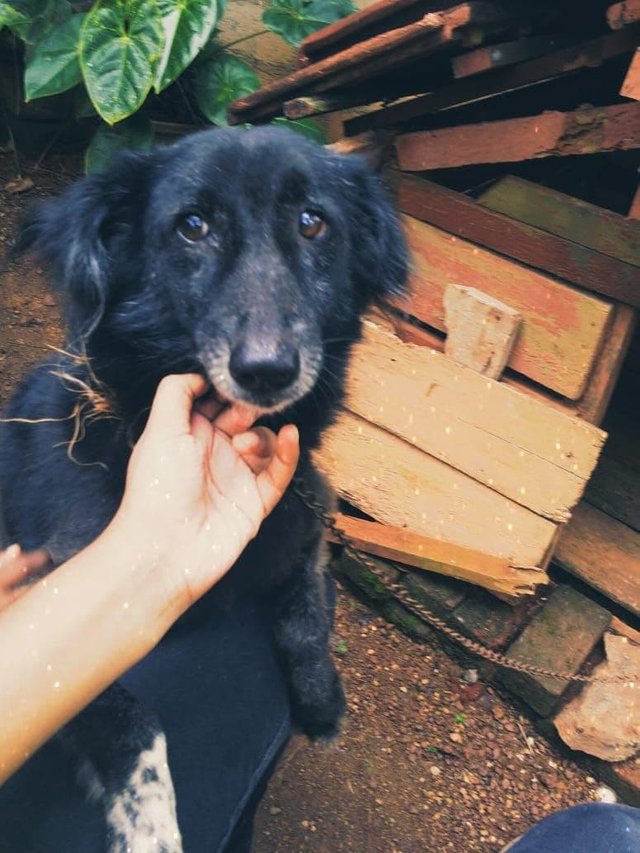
[249, 255]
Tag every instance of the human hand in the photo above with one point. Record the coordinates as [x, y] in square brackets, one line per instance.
[200, 483]
[16, 567]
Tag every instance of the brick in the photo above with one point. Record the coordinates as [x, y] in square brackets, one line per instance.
[560, 638]
[365, 580]
[487, 619]
[436, 593]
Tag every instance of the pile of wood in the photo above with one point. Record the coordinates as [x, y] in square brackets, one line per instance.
[510, 132]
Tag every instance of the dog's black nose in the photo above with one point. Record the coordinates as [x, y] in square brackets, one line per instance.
[264, 372]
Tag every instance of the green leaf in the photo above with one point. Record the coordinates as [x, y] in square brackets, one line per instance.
[33, 20]
[187, 28]
[304, 126]
[294, 20]
[135, 133]
[121, 43]
[53, 66]
[14, 17]
[221, 81]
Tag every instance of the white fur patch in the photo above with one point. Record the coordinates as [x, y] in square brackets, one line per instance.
[143, 817]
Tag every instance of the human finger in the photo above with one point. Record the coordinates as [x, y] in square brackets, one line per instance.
[236, 419]
[173, 403]
[273, 481]
[256, 447]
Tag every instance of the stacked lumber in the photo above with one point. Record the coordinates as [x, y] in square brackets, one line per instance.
[469, 432]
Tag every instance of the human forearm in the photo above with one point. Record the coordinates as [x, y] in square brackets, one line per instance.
[74, 633]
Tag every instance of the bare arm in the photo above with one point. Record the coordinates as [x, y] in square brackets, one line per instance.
[197, 492]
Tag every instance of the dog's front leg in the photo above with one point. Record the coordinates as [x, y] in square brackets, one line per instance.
[122, 758]
[303, 633]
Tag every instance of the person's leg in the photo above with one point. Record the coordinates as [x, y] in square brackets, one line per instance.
[588, 828]
[217, 688]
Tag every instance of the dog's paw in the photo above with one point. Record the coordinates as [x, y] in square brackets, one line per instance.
[320, 717]
[141, 818]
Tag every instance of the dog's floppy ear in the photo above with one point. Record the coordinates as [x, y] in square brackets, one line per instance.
[380, 256]
[75, 235]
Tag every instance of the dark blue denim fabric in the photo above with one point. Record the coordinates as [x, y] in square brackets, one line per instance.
[588, 828]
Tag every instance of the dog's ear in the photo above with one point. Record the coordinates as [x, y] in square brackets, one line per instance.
[380, 256]
[76, 235]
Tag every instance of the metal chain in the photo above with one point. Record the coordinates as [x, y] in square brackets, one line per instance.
[401, 594]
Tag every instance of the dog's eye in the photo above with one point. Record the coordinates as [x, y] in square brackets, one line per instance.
[192, 228]
[311, 225]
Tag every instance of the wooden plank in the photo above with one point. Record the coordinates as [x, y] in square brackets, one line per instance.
[622, 14]
[550, 134]
[592, 406]
[363, 24]
[595, 400]
[562, 329]
[634, 209]
[604, 553]
[567, 217]
[615, 489]
[443, 558]
[499, 55]
[513, 444]
[460, 215]
[489, 85]
[432, 32]
[481, 330]
[396, 483]
[631, 85]
[409, 333]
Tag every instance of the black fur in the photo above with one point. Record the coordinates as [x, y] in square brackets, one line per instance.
[268, 314]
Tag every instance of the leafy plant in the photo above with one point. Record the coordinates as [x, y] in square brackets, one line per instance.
[122, 54]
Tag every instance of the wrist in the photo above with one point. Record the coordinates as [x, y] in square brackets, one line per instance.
[150, 593]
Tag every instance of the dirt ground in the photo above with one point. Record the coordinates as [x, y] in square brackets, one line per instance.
[426, 761]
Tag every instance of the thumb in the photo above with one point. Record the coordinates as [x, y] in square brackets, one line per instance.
[173, 403]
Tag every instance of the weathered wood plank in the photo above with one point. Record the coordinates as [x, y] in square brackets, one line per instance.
[615, 489]
[515, 445]
[433, 32]
[396, 483]
[604, 553]
[562, 329]
[443, 558]
[622, 14]
[481, 330]
[550, 134]
[489, 85]
[457, 214]
[363, 24]
[631, 85]
[411, 334]
[593, 404]
[499, 55]
[566, 217]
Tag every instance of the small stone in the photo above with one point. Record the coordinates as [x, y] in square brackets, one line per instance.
[604, 794]
[435, 771]
[50, 300]
[470, 676]
[456, 737]
[274, 810]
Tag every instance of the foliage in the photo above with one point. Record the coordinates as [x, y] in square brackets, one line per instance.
[119, 54]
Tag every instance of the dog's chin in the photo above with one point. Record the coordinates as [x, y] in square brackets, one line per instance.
[263, 404]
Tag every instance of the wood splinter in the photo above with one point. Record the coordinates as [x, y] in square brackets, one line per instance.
[481, 330]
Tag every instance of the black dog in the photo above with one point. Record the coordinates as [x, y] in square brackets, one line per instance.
[248, 256]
